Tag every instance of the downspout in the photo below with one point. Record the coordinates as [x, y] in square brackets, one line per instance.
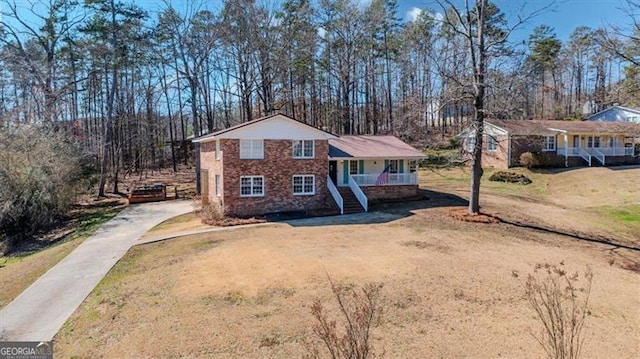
[566, 150]
[509, 163]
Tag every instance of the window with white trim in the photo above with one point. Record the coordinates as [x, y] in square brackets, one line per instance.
[304, 184]
[217, 149]
[251, 186]
[549, 143]
[218, 186]
[393, 166]
[596, 141]
[303, 149]
[492, 143]
[353, 167]
[252, 149]
[471, 143]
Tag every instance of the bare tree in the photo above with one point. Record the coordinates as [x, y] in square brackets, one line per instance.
[485, 32]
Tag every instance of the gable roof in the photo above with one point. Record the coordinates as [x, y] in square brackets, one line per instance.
[523, 127]
[371, 147]
[551, 127]
[614, 108]
[237, 130]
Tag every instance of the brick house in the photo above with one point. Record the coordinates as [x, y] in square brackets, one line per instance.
[277, 164]
[556, 143]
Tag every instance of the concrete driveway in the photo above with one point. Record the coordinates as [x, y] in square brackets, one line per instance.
[38, 313]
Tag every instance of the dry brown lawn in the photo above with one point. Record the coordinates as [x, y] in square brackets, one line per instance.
[451, 289]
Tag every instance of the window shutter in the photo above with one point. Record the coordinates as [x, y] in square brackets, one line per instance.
[386, 164]
[361, 167]
[345, 172]
[401, 166]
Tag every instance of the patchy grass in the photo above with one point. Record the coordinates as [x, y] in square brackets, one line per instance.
[628, 215]
[451, 288]
[589, 201]
[182, 223]
[449, 291]
[19, 270]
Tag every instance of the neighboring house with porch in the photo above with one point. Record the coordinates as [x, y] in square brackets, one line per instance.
[277, 164]
[556, 143]
[616, 113]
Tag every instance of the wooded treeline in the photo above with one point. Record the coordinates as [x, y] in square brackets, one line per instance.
[129, 83]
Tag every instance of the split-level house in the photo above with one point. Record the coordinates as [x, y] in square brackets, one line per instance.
[277, 164]
[556, 143]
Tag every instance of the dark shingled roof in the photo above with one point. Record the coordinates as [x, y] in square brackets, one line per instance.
[371, 147]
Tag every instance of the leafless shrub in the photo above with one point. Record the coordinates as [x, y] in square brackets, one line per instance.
[561, 302]
[529, 160]
[211, 213]
[41, 172]
[349, 337]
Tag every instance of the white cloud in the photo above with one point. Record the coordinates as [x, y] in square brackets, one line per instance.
[412, 15]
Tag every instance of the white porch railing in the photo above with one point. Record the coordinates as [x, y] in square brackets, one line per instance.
[585, 155]
[394, 179]
[607, 151]
[362, 198]
[598, 155]
[335, 194]
[616, 151]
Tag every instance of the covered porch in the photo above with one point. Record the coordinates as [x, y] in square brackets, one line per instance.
[371, 168]
[593, 147]
[374, 172]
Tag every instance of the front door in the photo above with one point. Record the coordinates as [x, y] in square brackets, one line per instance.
[576, 144]
[333, 171]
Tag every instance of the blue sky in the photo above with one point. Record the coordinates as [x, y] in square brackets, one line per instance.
[564, 15]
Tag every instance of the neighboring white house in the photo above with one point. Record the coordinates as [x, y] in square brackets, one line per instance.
[616, 113]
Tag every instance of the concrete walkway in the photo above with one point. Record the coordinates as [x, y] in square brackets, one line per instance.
[38, 313]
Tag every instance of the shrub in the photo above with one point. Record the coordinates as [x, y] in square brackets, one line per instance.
[40, 174]
[211, 213]
[561, 304]
[360, 312]
[529, 160]
[509, 177]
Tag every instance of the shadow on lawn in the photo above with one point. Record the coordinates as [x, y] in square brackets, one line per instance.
[383, 212]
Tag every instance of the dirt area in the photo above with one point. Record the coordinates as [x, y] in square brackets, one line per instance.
[451, 288]
[181, 182]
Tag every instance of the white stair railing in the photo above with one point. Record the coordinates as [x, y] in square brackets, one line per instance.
[599, 155]
[335, 194]
[362, 198]
[585, 155]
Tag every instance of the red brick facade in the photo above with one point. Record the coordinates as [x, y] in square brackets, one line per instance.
[277, 167]
[498, 158]
[533, 144]
[376, 194]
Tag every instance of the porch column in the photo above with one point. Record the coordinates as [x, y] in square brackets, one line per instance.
[566, 150]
